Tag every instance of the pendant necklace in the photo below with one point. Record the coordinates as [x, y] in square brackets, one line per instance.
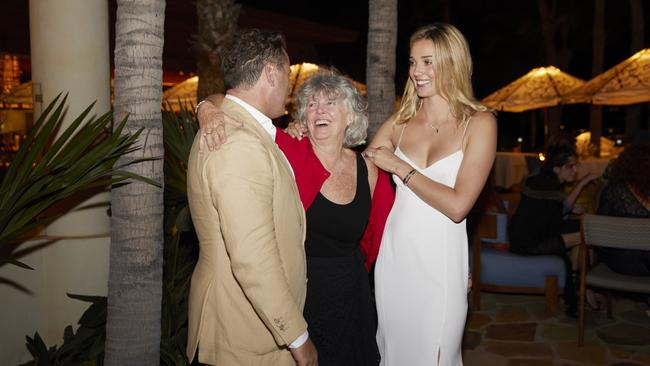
[437, 127]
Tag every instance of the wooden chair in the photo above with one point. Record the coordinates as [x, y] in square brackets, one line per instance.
[611, 232]
[497, 270]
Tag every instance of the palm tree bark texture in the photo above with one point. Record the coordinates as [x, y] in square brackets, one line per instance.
[598, 61]
[217, 21]
[380, 62]
[555, 34]
[633, 112]
[136, 254]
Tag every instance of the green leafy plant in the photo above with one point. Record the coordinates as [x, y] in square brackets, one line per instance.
[86, 347]
[180, 252]
[45, 171]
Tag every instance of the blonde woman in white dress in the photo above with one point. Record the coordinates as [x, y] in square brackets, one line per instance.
[439, 146]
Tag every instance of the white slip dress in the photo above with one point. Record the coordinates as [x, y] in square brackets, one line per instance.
[421, 276]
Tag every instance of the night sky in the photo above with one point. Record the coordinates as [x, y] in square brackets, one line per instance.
[504, 36]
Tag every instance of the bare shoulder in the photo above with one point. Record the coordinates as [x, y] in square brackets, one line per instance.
[391, 125]
[482, 120]
[481, 130]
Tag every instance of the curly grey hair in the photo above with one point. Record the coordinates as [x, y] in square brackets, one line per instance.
[332, 83]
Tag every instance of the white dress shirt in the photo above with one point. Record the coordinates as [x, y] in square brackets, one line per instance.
[263, 120]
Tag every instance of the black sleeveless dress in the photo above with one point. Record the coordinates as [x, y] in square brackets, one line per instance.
[339, 308]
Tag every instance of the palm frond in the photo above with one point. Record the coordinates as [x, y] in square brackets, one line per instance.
[46, 171]
[179, 131]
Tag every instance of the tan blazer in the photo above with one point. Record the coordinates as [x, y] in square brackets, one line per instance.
[248, 287]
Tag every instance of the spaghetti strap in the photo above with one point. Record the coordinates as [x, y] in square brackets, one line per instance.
[462, 140]
[400, 137]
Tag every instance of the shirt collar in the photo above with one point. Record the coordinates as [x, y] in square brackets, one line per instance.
[263, 120]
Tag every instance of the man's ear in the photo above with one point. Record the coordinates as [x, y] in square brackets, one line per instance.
[269, 73]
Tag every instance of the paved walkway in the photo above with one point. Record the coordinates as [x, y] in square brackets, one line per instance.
[512, 330]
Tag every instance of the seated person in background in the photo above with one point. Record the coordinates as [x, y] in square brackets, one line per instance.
[540, 225]
[627, 194]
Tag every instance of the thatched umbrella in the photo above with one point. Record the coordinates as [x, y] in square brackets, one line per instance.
[299, 72]
[626, 83]
[541, 87]
[186, 90]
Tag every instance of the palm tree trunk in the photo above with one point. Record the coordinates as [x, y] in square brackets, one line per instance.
[210, 77]
[633, 115]
[217, 21]
[598, 57]
[380, 69]
[548, 31]
[554, 26]
[135, 274]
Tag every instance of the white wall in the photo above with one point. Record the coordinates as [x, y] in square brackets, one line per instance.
[69, 46]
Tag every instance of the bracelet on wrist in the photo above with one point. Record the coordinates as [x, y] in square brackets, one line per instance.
[408, 176]
[196, 109]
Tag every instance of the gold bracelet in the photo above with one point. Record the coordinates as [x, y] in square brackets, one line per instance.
[408, 176]
[196, 109]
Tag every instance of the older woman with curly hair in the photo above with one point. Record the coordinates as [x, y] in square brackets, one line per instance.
[627, 194]
[347, 200]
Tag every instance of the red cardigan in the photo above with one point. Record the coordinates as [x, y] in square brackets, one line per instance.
[310, 176]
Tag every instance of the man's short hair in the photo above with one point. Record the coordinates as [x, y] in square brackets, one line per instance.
[558, 155]
[246, 54]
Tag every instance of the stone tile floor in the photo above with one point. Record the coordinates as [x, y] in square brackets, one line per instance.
[513, 330]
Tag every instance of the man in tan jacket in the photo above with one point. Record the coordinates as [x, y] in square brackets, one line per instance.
[248, 287]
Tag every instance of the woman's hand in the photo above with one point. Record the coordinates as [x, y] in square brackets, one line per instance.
[385, 159]
[296, 130]
[212, 123]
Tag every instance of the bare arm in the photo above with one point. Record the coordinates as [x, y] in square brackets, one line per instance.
[579, 186]
[384, 135]
[455, 202]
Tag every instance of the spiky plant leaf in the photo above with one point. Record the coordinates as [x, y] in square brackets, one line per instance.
[45, 171]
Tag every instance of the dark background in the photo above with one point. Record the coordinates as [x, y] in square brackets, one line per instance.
[504, 36]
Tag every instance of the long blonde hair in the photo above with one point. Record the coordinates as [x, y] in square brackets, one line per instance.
[452, 67]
